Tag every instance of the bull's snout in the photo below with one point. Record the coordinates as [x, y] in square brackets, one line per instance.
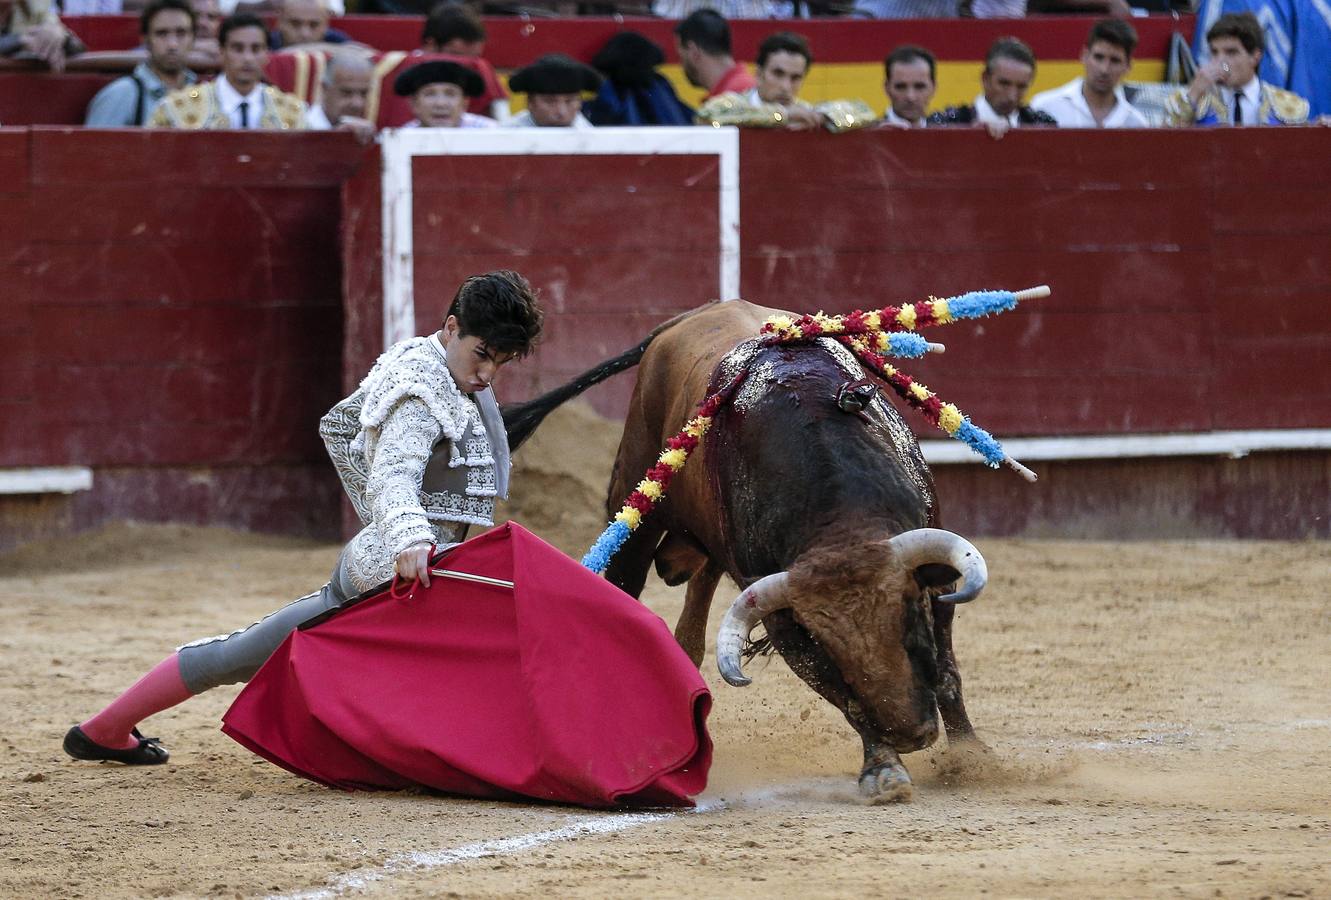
[918, 738]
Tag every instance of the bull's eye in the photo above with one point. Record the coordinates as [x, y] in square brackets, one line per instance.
[854, 396]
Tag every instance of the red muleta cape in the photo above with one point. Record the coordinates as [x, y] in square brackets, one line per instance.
[561, 688]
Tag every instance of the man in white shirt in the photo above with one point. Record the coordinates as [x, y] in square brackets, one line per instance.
[239, 86]
[911, 80]
[1096, 100]
[346, 91]
[554, 86]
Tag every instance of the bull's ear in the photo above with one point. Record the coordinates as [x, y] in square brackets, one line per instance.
[935, 575]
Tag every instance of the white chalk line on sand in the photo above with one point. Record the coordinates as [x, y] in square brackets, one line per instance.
[423, 860]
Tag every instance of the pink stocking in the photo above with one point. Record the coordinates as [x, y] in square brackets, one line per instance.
[160, 689]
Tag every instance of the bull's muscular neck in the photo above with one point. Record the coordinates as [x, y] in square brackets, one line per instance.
[786, 464]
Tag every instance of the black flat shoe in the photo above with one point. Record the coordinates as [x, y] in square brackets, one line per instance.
[149, 752]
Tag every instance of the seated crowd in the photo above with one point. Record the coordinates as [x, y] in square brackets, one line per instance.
[447, 83]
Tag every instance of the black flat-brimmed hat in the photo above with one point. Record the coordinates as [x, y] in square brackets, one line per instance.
[438, 71]
[555, 73]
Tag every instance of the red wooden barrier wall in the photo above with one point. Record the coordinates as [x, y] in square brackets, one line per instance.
[172, 318]
[1191, 270]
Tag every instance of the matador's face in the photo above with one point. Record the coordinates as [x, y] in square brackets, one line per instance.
[472, 364]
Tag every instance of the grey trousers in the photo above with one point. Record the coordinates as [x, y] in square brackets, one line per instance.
[235, 657]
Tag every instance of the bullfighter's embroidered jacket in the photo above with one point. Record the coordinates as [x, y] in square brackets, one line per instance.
[419, 459]
[1277, 107]
[196, 107]
[748, 111]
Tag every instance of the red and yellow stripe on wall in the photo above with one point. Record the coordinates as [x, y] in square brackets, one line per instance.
[848, 55]
[958, 81]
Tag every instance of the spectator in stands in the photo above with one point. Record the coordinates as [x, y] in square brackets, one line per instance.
[783, 62]
[703, 42]
[774, 102]
[237, 98]
[1226, 90]
[554, 85]
[167, 27]
[30, 28]
[346, 93]
[453, 28]
[911, 80]
[438, 92]
[207, 22]
[304, 22]
[1009, 69]
[1096, 100]
[633, 92]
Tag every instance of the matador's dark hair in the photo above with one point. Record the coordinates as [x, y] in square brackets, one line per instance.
[501, 309]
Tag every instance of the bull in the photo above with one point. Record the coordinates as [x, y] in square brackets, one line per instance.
[812, 494]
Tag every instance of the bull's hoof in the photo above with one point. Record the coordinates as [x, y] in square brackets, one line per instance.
[886, 784]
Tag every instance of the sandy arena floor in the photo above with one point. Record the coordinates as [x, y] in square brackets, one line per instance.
[1161, 715]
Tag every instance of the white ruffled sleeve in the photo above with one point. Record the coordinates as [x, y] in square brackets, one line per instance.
[339, 430]
[402, 448]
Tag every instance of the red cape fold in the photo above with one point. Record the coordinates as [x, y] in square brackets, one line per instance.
[562, 688]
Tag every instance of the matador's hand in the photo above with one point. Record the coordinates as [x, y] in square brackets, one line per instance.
[413, 563]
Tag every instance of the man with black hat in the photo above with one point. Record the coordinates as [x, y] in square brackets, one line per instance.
[438, 92]
[554, 85]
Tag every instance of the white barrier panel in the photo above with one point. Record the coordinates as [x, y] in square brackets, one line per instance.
[401, 146]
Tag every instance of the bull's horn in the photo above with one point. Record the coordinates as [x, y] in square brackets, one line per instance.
[934, 545]
[766, 595]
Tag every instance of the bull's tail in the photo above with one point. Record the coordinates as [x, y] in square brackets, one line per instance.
[521, 419]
